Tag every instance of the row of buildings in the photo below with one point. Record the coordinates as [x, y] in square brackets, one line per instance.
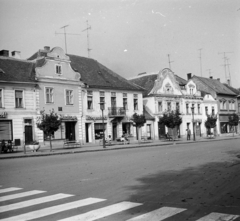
[75, 86]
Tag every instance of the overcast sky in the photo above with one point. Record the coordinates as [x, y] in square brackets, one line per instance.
[131, 36]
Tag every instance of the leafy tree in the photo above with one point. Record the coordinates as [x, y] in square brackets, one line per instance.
[171, 119]
[211, 122]
[48, 123]
[139, 121]
[233, 120]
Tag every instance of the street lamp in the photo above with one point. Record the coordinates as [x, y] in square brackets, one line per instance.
[102, 108]
[193, 122]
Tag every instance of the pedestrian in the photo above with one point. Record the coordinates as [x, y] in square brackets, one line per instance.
[188, 134]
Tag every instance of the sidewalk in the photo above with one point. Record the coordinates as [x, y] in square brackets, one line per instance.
[58, 149]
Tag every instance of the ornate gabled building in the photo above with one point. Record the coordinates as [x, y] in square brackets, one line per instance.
[165, 91]
[91, 83]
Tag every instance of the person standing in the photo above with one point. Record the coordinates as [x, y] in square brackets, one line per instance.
[188, 134]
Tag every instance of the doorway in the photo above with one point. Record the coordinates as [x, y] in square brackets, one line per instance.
[114, 131]
[70, 130]
[161, 131]
[28, 134]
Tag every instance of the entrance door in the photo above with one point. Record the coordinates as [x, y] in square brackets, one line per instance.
[28, 134]
[70, 130]
[86, 131]
[161, 131]
[114, 131]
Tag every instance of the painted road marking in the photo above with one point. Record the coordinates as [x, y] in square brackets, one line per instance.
[33, 202]
[103, 212]
[218, 216]
[19, 195]
[9, 189]
[159, 214]
[54, 209]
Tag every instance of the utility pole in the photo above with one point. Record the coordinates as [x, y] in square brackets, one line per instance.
[65, 35]
[169, 61]
[200, 57]
[209, 71]
[225, 61]
[88, 48]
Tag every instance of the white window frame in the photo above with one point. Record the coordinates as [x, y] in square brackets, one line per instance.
[66, 97]
[45, 95]
[102, 98]
[23, 100]
[135, 98]
[57, 68]
[160, 106]
[90, 94]
[2, 98]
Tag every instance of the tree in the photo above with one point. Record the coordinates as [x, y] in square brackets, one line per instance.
[233, 120]
[139, 121]
[210, 123]
[48, 123]
[171, 119]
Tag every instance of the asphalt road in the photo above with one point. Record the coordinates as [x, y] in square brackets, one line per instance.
[196, 179]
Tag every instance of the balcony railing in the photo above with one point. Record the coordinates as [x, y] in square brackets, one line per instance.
[116, 111]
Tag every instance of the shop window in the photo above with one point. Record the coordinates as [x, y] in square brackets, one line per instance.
[19, 99]
[69, 97]
[89, 100]
[135, 102]
[49, 94]
[149, 131]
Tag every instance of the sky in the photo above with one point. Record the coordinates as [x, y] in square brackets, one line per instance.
[131, 36]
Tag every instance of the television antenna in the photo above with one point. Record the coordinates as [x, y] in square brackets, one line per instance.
[200, 57]
[225, 61]
[65, 35]
[169, 61]
[88, 48]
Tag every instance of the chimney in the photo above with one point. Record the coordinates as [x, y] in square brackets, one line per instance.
[16, 54]
[228, 82]
[47, 48]
[4, 53]
[218, 79]
[189, 76]
[210, 77]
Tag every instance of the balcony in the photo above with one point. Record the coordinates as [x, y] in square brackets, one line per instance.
[116, 112]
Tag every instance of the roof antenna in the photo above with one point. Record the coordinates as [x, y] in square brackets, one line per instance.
[225, 62]
[88, 48]
[200, 57]
[169, 61]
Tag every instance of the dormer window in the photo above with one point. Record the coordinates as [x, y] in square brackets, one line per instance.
[58, 69]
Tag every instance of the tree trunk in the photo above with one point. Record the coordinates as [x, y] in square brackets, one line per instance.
[50, 142]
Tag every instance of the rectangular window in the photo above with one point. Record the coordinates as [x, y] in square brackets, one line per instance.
[135, 102]
[149, 131]
[89, 100]
[125, 104]
[58, 69]
[19, 98]
[102, 100]
[238, 107]
[187, 108]
[1, 98]
[193, 108]
[159, 106]
[213, 111]
[113, 99]
[177, 106]
[49, 95]
[169, 106]
[69, 97]
[206, 110]
[199, 110]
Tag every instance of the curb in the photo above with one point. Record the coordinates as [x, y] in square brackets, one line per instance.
[117, 148]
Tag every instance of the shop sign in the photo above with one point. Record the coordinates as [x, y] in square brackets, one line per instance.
[68, 117]
[94, 118]
[3, 114]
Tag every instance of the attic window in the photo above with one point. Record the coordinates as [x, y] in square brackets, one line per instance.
[58, 69]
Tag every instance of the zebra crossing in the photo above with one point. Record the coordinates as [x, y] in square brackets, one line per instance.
[95, 214]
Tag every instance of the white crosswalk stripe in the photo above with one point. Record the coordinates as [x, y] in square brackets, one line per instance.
[33, 202]
[158, 215]
[9, 189]
[19, 195]
[218, 216]
[53, 210]
[103, 212]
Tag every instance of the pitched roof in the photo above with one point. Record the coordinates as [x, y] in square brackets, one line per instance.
[216, 85]
[146, 81]
[16, 70]
[234, 90]
[94, 74]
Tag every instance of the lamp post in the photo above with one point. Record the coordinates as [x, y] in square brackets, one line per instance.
[193, 122]
[102, 108]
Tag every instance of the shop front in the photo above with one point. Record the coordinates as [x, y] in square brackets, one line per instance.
[6, 129]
